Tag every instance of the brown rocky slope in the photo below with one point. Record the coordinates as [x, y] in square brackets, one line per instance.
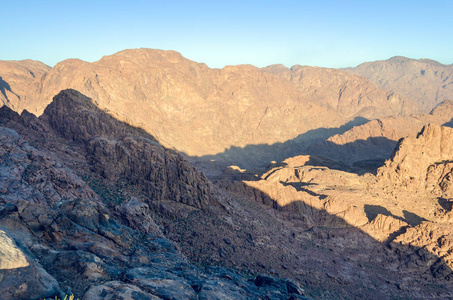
[373, 142]
[70, 222]
[91, 226]
[426, 82]
[201, 111]
[407, 207]
[18, 82]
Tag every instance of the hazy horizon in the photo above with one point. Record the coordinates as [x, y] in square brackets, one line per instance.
[333, 34]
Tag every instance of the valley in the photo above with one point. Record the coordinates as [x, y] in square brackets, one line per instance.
[145, 175]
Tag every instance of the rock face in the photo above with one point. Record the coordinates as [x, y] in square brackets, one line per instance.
[202, 111]
[416, 159]
[34, 281]
[138, 158]
[425, 81]
[349, 95]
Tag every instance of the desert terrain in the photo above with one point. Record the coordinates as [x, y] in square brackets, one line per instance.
[146, 175]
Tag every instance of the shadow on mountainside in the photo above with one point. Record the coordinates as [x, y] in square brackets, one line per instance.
[446, 204]
[258, 157]
[360, 156]
[448, 124]
[4, 86]
[371, 152]
[300, 186]
[330, 258]
[372, 212]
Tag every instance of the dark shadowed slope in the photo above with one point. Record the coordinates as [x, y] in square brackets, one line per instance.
[372, 143]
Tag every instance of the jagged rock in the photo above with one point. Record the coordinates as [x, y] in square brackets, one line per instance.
[161, 284]
[412, 157]
[11, 257]
[383, 227]
[164, 175]
[20, 276]
[137, 216]
[436, 244]
[294, 288]
[117, 290]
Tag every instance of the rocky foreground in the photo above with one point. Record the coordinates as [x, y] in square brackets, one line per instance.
[66, 228]
[98, 208]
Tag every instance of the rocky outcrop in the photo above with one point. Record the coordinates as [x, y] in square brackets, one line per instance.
[22, 277]
[437, 238]
[137, 215]
[410, 163]
[118, 150]
[425, 81]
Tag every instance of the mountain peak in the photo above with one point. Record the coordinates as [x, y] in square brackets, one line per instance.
[425, 81]
[399, 59]
[403, 59]
[146, 54]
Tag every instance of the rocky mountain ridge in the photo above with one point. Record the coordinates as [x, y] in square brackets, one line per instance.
[415, 159]
[201, 111]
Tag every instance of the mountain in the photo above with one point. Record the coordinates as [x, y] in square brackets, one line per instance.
[426, 82]
[18, 82]
[96, 207]
[201, 111]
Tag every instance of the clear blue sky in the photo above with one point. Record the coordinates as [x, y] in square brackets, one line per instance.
[318, 33]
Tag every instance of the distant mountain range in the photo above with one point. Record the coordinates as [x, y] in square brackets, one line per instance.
[201, 111]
